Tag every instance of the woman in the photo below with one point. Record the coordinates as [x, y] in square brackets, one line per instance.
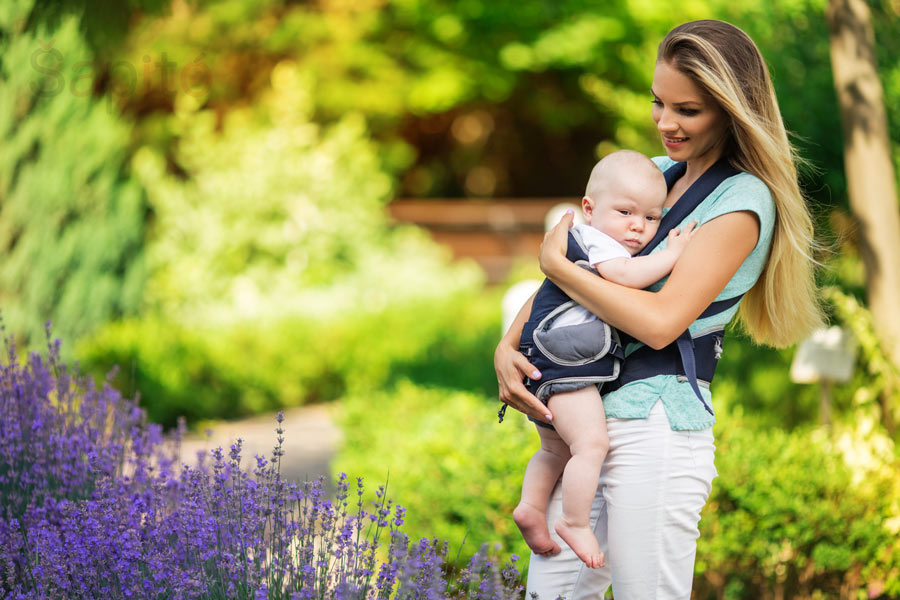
[714, 105]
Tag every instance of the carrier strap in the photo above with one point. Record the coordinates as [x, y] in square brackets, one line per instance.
[692, 197]
[690, 200]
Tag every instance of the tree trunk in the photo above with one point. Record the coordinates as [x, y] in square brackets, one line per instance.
[867, 161]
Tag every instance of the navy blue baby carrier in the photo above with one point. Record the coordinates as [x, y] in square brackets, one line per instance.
[582, 354]
[690, 357]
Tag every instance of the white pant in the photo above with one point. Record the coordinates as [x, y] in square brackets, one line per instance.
[652, 487]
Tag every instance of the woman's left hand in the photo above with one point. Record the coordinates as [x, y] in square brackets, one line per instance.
[555, 244]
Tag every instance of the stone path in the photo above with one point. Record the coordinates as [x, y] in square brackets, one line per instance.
[310, 440]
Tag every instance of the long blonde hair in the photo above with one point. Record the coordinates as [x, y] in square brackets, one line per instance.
[783, 305]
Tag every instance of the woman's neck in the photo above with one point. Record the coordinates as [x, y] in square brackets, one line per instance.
[695, 168]
[699, 166]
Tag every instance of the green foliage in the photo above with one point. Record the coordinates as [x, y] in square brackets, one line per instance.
[551, 84]
[247, 367]
[790, 511]
[276, 277]
[791, 515]
[71, 218]
[764, 391]
[458, 471]
[281, 218]
[447, 87]
[877, 382]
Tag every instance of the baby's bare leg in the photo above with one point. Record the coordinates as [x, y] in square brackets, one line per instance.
[580, 421]
[541, 476]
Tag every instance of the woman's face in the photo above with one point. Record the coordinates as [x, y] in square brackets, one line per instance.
[692, 125]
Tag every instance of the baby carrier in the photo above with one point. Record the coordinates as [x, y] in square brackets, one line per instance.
[570, 356]
[596, 356]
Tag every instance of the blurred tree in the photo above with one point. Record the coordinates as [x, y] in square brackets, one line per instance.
[462, 98]
[473, 98]
[71, 220]
[869, 166]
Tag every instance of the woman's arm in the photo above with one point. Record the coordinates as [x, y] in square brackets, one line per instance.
[512, 367]
[712, 258]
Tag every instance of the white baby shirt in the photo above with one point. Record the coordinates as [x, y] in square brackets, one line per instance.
[600, 248]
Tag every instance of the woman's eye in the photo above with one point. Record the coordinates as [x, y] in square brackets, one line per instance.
[689, 112]
[656, 102]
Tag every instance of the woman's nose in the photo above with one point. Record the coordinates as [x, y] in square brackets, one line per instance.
[665, 123]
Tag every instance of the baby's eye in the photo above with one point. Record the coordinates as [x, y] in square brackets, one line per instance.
[651, 218]
[625, 212]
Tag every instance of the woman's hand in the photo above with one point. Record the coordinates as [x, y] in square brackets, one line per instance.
[555, 244]
[512, 367]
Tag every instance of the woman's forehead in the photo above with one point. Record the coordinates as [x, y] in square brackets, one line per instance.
[675, 86]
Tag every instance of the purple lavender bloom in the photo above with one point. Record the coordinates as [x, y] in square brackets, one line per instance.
[94, 505]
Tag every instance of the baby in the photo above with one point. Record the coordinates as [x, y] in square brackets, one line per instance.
[623, 204]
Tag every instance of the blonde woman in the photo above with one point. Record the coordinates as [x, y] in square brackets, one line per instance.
[715, 108]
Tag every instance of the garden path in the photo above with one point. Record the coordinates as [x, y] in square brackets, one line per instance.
[311, 438]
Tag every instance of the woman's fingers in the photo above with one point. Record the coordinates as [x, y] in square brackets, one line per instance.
[525, 402]
[525, 368]
[512, 367]
[556, 240]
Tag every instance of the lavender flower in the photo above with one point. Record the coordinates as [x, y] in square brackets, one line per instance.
[93, 505]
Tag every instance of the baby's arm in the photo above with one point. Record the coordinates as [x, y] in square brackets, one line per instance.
[640, 271]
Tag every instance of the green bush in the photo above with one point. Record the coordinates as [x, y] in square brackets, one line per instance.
[789, 511]
[766, 391]
[248, 367]
[458, 471]
[281, 218]
[791, 516]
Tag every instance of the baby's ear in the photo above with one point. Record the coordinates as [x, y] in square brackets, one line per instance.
[587, 207]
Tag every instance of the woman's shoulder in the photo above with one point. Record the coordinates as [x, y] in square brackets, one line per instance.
[743, 191]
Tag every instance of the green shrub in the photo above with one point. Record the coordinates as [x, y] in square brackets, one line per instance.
[788, 517]
[788, 511]
[458, 471]
[248, 367]
[278, 217]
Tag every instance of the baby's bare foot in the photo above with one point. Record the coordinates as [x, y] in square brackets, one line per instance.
[533, 525]
[583, 542]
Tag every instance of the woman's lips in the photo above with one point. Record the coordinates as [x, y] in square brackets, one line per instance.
[673, 142]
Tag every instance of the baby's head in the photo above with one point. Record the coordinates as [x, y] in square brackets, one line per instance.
[624, 198]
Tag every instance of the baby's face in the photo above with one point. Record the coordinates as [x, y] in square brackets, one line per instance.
[628, 210]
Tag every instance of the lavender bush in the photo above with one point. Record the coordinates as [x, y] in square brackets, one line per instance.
[93, 505]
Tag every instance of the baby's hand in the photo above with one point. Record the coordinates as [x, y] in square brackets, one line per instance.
[678, 239]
